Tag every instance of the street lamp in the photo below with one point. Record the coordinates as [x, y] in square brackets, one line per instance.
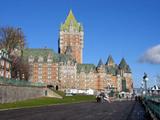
[145, 79]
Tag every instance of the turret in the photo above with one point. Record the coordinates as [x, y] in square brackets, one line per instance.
[123, 66]
[110, 61]
[100, 67]
[110, 66]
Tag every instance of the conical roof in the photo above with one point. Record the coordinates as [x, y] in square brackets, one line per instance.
[71, 21]
[123, 64]
[100, 63]
[110, 61]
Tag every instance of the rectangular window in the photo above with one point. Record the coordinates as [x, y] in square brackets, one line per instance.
[39, 72]
[2, 72]
[40, 65]
[49, 72]
[49, 77]
[49, 69]
[39, 77]
[39, 68]
[49, 65]
[2, 62]
[7, 65]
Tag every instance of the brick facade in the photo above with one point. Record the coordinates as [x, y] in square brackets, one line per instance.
[66, 70]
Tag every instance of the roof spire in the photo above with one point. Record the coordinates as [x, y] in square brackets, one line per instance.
[123, 63]
[70, 15]
[110, 61]
[124, 66]
[100, 63]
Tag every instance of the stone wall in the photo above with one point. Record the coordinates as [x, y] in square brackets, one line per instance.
[9, 93]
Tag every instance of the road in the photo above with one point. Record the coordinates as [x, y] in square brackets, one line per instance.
[118, 110]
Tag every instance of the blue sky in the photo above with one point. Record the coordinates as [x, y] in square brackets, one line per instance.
[122, 28]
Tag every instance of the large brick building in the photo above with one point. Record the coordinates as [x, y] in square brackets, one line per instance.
[66, 70]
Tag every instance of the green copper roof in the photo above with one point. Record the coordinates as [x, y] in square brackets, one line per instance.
[85, 68]
[40, 52]
[45, 53]
[64, 58]
[37, 52]
[124, 66]
[110, 60]
[71, 22]
[123, 63]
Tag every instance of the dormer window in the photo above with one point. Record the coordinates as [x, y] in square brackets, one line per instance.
[31, 59]
[49, 59]
[40, 59]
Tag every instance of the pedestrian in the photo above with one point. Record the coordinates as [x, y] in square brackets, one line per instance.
[98, 98]
[102, 95]
[119, 97]
[107, 98]
[127, 97]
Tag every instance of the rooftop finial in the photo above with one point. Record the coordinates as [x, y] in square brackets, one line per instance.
[70, 11]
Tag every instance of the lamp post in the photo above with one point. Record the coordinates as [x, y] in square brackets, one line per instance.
[145, 79]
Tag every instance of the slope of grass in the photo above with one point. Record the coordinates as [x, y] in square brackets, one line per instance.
[47, 101]
[61, 93]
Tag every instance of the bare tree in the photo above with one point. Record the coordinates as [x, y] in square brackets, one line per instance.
[12, 38]
[20, 69]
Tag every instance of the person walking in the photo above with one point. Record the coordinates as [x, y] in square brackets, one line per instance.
[107, 98]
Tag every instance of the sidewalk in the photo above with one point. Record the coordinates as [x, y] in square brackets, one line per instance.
[138, 112]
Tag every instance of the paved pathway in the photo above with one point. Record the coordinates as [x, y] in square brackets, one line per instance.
[124, 110]
[138, 113]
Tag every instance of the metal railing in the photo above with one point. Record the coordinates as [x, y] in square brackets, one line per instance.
[5, 81]
[152, 103]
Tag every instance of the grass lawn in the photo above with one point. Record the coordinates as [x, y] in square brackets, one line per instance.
[47, 101]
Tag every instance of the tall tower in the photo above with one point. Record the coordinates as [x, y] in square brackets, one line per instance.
[71, 36]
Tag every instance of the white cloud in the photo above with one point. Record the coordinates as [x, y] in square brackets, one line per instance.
[152, 55]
